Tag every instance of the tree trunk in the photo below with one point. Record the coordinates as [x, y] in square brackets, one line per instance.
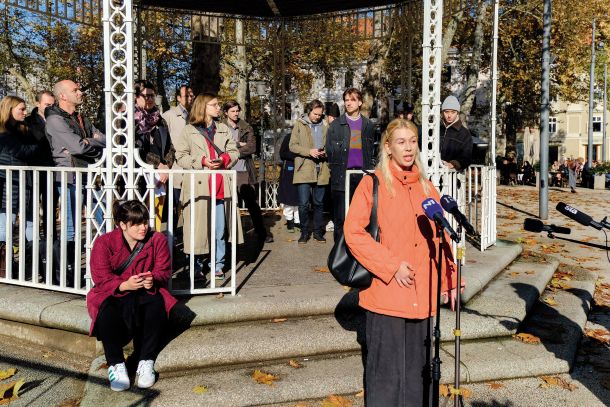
[161, 86]
[449, 33]
[241, 66]
[205, 65]
[468, 94]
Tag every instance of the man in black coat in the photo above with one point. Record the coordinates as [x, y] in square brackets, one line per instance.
[456, 140]
[349, 146]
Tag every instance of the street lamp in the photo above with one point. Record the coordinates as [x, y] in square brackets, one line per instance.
[591, 86]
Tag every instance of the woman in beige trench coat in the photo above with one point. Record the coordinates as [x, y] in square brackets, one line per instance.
[195, 151]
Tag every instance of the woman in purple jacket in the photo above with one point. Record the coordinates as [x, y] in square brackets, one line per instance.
[130, 299]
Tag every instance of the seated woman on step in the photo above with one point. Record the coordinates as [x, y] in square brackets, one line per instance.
[401, 300]
[130, 267]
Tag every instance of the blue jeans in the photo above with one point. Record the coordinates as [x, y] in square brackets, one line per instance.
[317, 191]
[221, 244]
[29, 227]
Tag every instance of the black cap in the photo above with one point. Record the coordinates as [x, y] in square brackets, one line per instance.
[409, 108]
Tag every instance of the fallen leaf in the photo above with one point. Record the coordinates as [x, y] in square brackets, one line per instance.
[556, 381]
[220, 295]
[290, 240]
[10, 391]
[443, 390]
[302, 405]
[559, 284]
[70, 402]
[526, 338]
[360, 394]
[103, 366]
[264, 378]
[550, 301]
[200, 389]
[495, 385]
[295, 364]
[5, 374]
[278, 320]
[600, 335]
[467, 393]
[514, 274]
[321, 269]
[336, 401]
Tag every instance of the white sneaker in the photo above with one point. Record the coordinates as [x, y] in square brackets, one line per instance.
[330, 226]
[146, 374]
[119, 380]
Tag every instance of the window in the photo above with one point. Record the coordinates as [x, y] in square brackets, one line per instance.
[552, 125]
[597, 124]
[349, 79]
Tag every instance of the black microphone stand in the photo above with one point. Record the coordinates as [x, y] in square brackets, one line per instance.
[551, 235]
[435, 367]
[458, 399]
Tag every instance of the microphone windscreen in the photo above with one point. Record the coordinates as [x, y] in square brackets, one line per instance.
[449, 204]
[431, 208]
[574, 213]
[533, 225]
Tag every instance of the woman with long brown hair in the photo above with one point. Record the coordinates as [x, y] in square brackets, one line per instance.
[14, 151]
[206, 143]
[401, 300]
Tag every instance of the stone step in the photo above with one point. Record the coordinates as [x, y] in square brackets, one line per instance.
[496, 312]
[482, 267]
[559, 328]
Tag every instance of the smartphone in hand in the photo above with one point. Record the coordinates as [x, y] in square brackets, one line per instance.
[145, 275]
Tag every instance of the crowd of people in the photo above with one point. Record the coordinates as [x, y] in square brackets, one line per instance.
[131, 265]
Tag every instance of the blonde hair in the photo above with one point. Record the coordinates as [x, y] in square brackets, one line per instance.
[384, 158]
[7, 123]
[197, 114]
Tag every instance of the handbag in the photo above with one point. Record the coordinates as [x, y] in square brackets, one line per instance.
[342, 263]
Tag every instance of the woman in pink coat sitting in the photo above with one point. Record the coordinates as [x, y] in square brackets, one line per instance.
[130, 267]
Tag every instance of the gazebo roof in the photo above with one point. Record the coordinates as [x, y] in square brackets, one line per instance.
[268, 8]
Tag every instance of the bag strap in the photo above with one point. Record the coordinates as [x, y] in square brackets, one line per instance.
[373, 222]
[132, 256]
[216, 148]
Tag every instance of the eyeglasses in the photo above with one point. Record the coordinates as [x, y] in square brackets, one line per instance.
[148, 95]
[213, 104]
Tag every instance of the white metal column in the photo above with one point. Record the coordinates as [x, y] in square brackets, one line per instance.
[431, 87]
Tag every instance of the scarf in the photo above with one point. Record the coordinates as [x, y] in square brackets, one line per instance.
[146, 120]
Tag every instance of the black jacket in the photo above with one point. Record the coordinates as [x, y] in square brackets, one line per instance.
[245, 135]
[456, 145]
[14, 151]
[160, 149]
[337, 149]
[36, 126]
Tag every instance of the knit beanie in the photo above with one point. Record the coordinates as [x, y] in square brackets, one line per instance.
[451, 103]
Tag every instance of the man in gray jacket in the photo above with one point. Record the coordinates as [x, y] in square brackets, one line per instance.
[75, 142]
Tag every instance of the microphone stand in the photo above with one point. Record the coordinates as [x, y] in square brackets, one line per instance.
[436, 360]
[457, 333]
[550, 235]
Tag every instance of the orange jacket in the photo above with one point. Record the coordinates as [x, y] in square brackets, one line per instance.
[406, 234]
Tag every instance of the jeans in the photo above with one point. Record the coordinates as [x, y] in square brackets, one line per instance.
[220, 236]
[29, 227]
[317, 191]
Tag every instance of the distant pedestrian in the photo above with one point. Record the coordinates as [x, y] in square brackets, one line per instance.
[129, 299]
[288, 194]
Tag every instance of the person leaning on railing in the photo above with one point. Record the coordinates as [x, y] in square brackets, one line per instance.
[130, 268]
[14, 151]
[196, 149]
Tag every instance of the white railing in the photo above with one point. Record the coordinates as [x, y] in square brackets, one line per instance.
[481, 202]
[54, 258]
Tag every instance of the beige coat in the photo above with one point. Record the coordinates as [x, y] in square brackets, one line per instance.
[176, 121]
[191, 147]
[301, 141]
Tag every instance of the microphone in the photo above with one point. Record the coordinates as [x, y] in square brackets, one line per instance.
[573, 213]
[536, 226]
[450, 205]
[434, 212]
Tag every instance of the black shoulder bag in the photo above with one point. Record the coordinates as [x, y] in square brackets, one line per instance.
[342, 264]
[214, 146]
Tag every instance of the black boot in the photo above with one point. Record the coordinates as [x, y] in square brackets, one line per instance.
[69, 263]
[290, 225]
[2, 259]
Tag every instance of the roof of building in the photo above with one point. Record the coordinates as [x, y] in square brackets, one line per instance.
[269, 8]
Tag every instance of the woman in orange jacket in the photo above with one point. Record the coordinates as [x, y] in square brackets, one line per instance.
[401, 300]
